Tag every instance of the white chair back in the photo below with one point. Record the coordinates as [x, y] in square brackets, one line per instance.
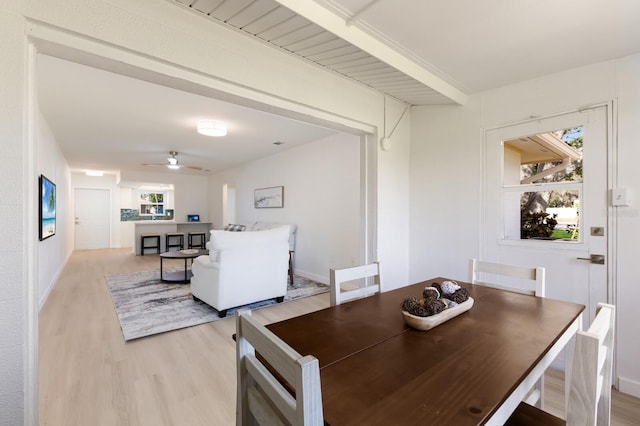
[519, 279]
[261, 397]
[340, 276]
[589, 399]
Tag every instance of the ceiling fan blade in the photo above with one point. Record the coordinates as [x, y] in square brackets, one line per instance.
[153, 164]
[193, 167]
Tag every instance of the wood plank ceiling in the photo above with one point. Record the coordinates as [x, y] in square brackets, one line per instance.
[283, 28]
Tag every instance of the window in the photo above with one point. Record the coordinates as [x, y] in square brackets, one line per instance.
[152, 203]
[542, 183]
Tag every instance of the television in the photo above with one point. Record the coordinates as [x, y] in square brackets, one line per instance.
[47, 202]
[193, 217]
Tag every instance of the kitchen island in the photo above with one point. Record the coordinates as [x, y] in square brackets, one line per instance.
[162, 227]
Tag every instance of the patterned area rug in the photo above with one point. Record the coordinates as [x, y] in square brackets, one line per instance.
[146, 306]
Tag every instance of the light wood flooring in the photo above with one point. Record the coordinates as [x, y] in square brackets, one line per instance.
[90, 376]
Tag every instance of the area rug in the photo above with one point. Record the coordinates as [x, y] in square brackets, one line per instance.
[146, 306]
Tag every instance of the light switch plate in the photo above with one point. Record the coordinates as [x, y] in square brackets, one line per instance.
[597, 231]
[620, 197]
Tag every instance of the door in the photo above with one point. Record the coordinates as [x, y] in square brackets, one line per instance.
[92, 218]
[546, 202]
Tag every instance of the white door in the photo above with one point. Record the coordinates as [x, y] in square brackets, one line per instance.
[578, 198]
[92, 218]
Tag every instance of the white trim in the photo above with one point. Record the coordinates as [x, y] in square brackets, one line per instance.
[53, 281]
[612, 225]
[628, 386]
[533, 118]
[30, 266]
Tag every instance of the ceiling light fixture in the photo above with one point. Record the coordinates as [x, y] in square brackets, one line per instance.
[173, 161]
[212, 128]
[97, 173]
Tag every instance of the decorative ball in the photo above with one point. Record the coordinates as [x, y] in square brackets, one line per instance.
[410, 303]
[459, 296]
[430, 293]
[450, 303]
[435, 306]
[449, 287]
[437, 287]
[420, 311]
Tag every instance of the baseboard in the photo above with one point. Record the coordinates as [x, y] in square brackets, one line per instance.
[311, 276]
[53, 281]
[630, 387]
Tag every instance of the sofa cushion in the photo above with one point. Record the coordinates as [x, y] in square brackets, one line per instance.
[234, 227]
[261, 226]
[224, 240]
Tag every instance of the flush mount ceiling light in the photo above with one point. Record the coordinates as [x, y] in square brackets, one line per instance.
[212, 128]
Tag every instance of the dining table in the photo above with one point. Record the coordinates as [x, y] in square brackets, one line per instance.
[473, 369]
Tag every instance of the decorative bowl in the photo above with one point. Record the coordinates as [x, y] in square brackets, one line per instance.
[189, 251]
[427, 323]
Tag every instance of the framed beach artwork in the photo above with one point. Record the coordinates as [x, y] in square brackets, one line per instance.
[269, 198]
[47, 208]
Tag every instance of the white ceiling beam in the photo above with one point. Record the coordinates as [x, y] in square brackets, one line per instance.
[331, 22]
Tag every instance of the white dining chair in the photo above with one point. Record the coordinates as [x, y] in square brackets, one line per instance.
[261, 397]
[338, 277]
[519, 279]
[589, 374]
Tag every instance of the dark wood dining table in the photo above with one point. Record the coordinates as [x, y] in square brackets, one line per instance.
[473, 369]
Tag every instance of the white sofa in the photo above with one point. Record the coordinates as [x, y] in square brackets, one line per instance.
[242, 268]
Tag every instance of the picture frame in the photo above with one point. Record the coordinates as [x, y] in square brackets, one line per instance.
[269, 198]
[47, 208]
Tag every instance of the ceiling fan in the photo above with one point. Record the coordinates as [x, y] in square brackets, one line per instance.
[172, 163]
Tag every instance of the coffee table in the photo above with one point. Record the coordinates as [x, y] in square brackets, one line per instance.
[183, 277]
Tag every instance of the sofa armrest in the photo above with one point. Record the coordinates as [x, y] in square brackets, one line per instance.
[205, 280]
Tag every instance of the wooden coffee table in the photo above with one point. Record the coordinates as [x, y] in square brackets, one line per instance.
[183, 277]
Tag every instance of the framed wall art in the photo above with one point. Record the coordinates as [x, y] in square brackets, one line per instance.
[47, 195]
[269, 198]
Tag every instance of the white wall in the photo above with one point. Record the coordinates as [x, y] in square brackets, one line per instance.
[446, 171]
[445, 209]
[321, 196]
[17, 178]
[54, 251]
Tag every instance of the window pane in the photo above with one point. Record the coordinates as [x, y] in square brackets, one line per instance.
[545, 157]
[547, 215]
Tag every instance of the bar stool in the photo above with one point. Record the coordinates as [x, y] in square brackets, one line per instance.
[168, 243]
[202, 239]
[154, 237]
